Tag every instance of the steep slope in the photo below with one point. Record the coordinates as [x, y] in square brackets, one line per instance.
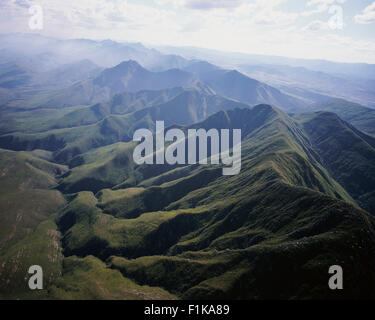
[359, 116]
[261, 126]
[270, 232]
[347, 153]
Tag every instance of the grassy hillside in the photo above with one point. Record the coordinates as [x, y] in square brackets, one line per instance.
[193, 105]
[187, 231]
[359, 116]
[90, 279]
[73, 200]
[123, 103]
[198, 234]
[348, 154]
[262, 249]
[28, 234]
[100, 168]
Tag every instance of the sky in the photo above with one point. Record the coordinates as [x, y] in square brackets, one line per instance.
[337, 30]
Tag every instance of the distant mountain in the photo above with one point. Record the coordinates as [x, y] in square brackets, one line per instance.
[314, 86]
[50, 65]
[26, 85]
[353, 70]
[68, 74]
[235, 85]
[50, 53]
[22, 77]
[200, 68]
[128, 76]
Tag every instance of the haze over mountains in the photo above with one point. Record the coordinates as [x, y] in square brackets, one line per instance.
[103, 227]
[308, 79]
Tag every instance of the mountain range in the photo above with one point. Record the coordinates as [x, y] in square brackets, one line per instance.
[102, 227]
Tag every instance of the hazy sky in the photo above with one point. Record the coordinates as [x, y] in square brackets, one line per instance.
[293, 28]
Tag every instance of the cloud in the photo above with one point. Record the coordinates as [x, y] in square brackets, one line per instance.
[316, 25]
[255, 26]
[212, 4]
[85, 14]
[367, 16]
[271, 17]
[324, 2]
[320, 6]
[202, 4]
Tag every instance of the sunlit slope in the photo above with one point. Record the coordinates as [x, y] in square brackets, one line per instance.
[89, 279]
[191, 106]
[100, 168]
[28, 234]
[270, 232]
[273, 149]
[270, 139]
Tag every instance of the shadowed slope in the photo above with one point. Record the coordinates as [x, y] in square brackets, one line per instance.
[199, 234]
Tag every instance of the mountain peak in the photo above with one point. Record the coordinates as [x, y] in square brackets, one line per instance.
[238, 75]
[201, 67]
[115, 74]
[129, 65]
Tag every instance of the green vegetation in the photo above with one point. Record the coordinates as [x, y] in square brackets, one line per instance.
[73, 201]
[69, 138]
[125, 231]
[101, 168]
[279, 251]
[348, 154]
[40, 247]
[28, 234]
[89, 278]
[359, 116]
[199, 234]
